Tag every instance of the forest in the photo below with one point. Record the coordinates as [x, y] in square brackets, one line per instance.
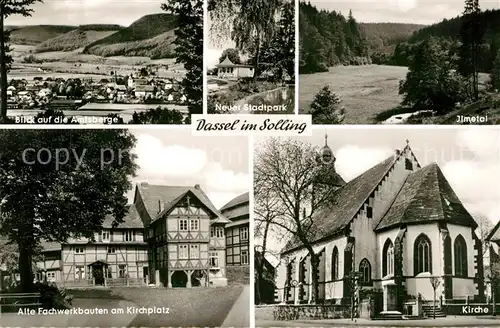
[329, 39]
[449, 32]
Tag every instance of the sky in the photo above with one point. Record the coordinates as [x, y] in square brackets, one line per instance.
[172, 156]
[401, 11]
[469, 158]
[217, 44]
[81, 12]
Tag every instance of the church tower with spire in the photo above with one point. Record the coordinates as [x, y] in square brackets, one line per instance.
[327, 177]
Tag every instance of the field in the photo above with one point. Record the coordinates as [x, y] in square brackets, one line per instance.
[75, 64]
[365, 90]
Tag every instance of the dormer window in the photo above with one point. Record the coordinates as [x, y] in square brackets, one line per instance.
[408, 164]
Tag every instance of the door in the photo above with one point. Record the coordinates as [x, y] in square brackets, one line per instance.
[98, 274]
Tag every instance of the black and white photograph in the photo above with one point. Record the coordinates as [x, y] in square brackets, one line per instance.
[124, 228]
[378, 227]
[250, 57]
[400, 62]
[101, 62]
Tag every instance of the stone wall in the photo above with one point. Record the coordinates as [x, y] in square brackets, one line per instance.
[306, 311]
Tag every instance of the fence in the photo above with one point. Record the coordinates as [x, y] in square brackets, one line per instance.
[18, 300]
[108, 282]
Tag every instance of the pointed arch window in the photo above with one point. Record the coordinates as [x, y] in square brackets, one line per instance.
[335, 264]
[460, 251]
[366, 272]
[422, 255]
[388, 259]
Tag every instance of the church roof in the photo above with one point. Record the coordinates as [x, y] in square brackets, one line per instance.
[228, 63]
[426, 196]
[168, 196]
[345, 203]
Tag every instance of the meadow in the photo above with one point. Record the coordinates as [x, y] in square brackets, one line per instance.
[75, 64]
[365, 90]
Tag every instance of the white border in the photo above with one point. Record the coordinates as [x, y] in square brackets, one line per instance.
[252, 233]
[297, 55]
[205, 52]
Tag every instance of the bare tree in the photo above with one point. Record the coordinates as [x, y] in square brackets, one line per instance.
[285, 170]
[267, 210]
[484, 228]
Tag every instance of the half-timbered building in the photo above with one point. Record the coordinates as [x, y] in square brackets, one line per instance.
[237, 231]
[390, 229]
[172, 236]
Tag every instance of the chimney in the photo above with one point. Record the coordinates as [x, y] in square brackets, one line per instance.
[197, 186]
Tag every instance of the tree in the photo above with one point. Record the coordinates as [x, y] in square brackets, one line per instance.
[232, 54]
[8, 8]
[57, 184]
[495, 73]
[158, 116]
[431, 83]
[472, 31]
[285, 170]
[267, 210]
[326, 107]
[494, 275]
[435, 282]
[484, 227]
[253, 24]
[189, 48]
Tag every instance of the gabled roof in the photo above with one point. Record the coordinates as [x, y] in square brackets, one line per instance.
[132, 220]
[345, 203]
[494, 233]
[169, 196]
[426, 196]
[238, 200]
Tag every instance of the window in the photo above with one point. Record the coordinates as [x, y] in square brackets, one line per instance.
[244, 257]
[408, 164]
[388, 258]
[51, 275]
[366, 272]
[214, 259]
[195, 225]
[111, 250]
[335, 264]
[219, 232]
[183, 252]
[460, 250]
[122, 270]
[194, 251]
[79, 272]
[183, 225]
[369, 212]
[244, 233]
[105, 235]
[129, 235]
[212, 232]
[422, 255]
[110, 273]
[79, 249]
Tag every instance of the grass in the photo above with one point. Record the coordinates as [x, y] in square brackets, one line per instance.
[370, 94]
[195, 307]
[365, 90]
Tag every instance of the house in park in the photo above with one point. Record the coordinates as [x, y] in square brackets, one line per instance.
[238, 238]
[172, 236]
[230, 71]
[387, 231]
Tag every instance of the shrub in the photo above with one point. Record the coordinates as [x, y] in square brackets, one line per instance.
[326, 107]
[52, 297]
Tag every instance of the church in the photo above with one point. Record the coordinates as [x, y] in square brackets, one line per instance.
[172, 236]
[387, 231]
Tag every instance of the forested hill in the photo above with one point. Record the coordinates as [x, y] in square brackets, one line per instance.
[328, 39]
[383, 37]
[449, 29]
